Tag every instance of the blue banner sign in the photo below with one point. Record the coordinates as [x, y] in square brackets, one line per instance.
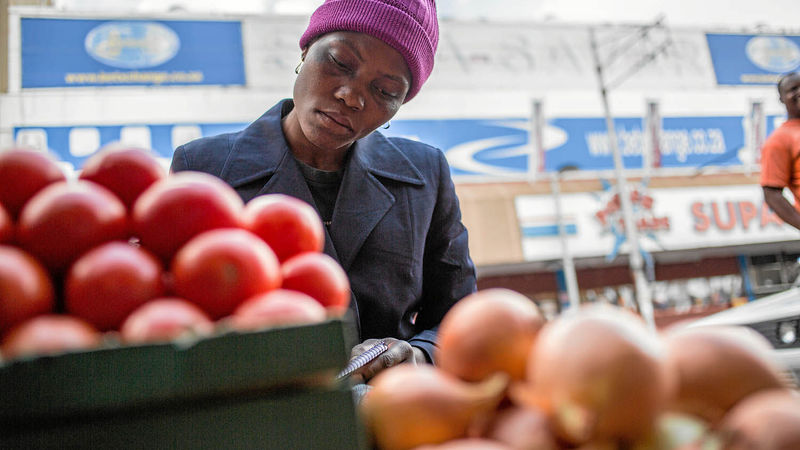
[501, 147]
[77, 52]
[743, 59]
[75, 144]
[685, 142]
[474, 147]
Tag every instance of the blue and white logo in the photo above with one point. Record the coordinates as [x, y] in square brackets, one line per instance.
[132, 44]
[773, 53]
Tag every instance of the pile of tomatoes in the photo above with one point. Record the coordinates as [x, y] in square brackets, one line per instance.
[129, 250]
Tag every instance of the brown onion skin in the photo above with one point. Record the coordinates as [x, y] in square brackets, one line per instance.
[675, 431]
[766, 420]
[599, 374]
[468, 444]
[522, 428]
[489, 331]
[716, 367]
[599, 445]
[411, 405]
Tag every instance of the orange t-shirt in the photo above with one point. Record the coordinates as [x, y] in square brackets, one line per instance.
[780, 159]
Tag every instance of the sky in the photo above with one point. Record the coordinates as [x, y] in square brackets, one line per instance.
[780, 16]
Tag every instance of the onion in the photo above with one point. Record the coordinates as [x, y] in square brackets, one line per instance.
[278, 307]
[468, 444]
[598, 374]
[412, 405]
[767, 420]
[522, 428]
[489, 331]
[672, 432]
[718, 366]
[601, 445]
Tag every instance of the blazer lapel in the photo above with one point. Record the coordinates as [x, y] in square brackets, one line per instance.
[361, 204]
[363, 200]
[256, 151]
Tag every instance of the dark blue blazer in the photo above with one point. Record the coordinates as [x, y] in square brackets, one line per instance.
[396, 227]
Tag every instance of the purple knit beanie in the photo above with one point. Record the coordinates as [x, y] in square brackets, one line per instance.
[410, 26]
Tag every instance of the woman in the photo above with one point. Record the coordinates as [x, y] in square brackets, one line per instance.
[390, 209]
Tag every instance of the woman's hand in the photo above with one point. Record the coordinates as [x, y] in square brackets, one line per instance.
[399, 352]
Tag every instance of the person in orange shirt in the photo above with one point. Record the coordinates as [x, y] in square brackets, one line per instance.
[780, 155]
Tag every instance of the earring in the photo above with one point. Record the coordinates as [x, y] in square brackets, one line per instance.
[299, 65]
[387, 125]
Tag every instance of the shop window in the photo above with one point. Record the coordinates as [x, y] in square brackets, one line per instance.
[679, 295]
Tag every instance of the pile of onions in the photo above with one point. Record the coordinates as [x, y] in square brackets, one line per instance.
[716, 367]
[595, 379]
[490, 331]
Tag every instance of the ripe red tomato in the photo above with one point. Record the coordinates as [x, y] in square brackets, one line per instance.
[127, 172]
[277, 307]
[6, 226]
[66, 219]
[25, 288]
[49, 334]
[319, 276]
[24, 173]
[219, 269]
[181, 206]
[289, 225]
[165, 319]
[108, 282]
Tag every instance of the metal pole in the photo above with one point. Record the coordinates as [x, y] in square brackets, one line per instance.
[643, 295]
[536, 156]
[566, 256]
[755, 132]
